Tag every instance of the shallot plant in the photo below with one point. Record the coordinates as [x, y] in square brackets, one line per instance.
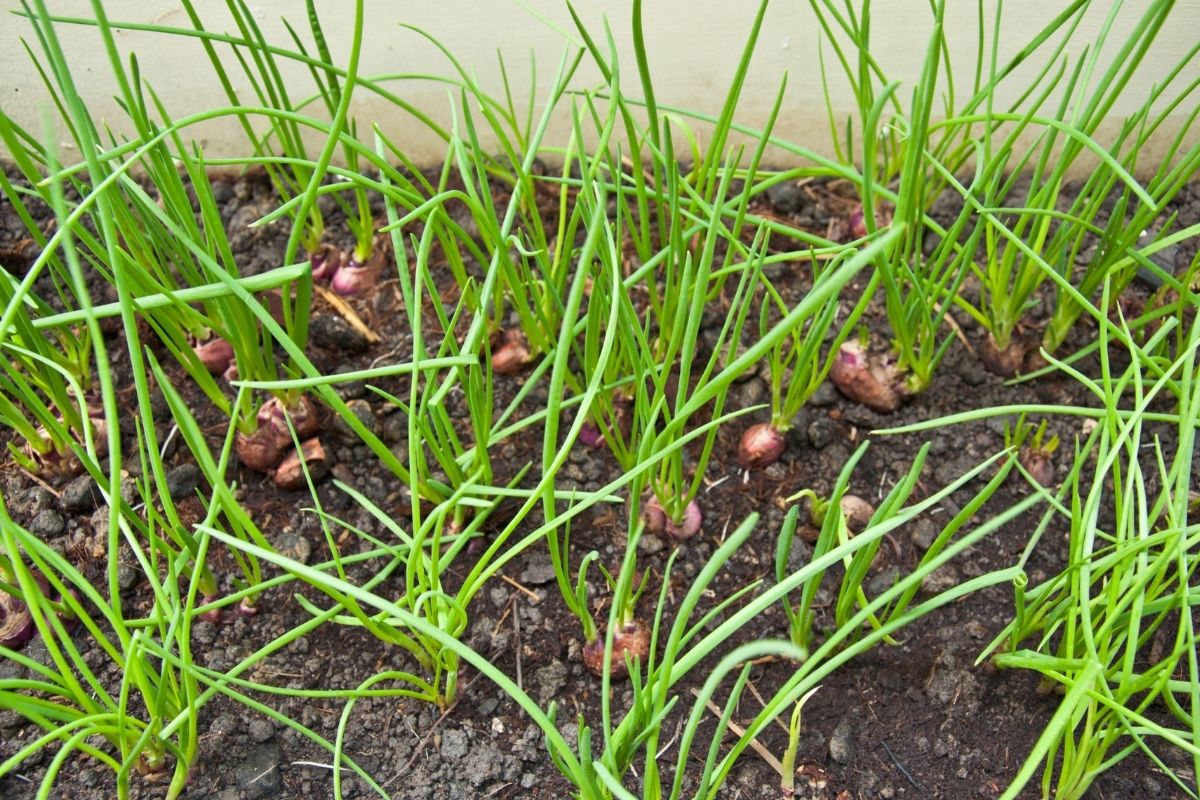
[536, 240]
[797, 365]
[1115, 632]
[712, 384]
[168, 248]
[65, 696]
[357, 271]
[63, 693]
[285, 136]
[1063, 238]
[683, 646]
[842, 519]
[909, 160]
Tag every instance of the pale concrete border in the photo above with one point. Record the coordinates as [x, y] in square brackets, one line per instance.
[693, 44]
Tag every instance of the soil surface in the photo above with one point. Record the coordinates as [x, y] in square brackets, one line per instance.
[917, 719]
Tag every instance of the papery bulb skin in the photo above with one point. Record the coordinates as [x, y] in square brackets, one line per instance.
[858, 512]
[633, 638]
[761, 445]
[51, 463]
[872, 384]
[356, 277]
[511, 355]
[1003, 361]
[653, 514]
[852, 357]
[147, 764]
[304, 417]
[593, 656]
[326, 262]
[290, 473]
[858, 223]
[273, 416]
[16, 622]
[261, 450]
[1040, 465]
[687, 527]
[216, 355]
[590, 435]
[213, 616]
[247, 608]
[55, 463]
[99, 430]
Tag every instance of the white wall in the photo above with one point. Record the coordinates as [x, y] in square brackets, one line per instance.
[693, 48]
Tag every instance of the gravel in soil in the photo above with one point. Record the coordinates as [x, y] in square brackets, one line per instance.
[917, 719]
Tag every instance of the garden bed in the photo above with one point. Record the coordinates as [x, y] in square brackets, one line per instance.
[610, 465]
[918, 718]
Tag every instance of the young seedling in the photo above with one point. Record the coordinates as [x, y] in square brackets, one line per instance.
[824, 528]
[292, 175]
[674, 509]
[357, 271]
[630, 637]
[787, 781]
[1036, 451]
[56, 449]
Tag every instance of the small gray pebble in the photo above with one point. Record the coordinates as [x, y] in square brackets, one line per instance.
[182, 481]
[222, 191]
[650, 544]
[80, 495]
[821, 432]
[973, 375]
[32, 502]
[295, 546]
[785, 198]
[883, 581]
[751, 393]
[47, 524]
[350, 390]
[861, 417]
[261, 730]
[332, 332]
[259, 776]
[99, 522]
[825, 395]
[395, 432]
[363, 412]
[550, 680]
[840, 744]
[127, 577]
[540, 571]
[924, 532]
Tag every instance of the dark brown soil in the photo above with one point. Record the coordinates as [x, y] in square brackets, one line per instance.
[918, 719]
